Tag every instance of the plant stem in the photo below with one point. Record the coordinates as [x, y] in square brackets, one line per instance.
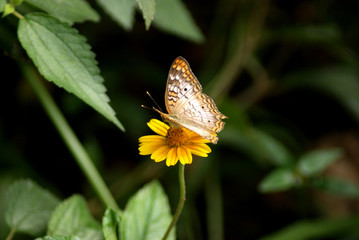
[18, 15]
[70, 139]
[11, 234]
[182, 199]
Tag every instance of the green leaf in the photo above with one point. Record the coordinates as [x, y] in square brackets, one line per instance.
[63, 57]
[270, 148]
[257, 144]
[58, 238]
[278, 180]
[147, 215]
[148, 10]
[342, 83]
[110, 224]
[121, 11]
[16, 2]
[338, 187]
[8, 9]
[72, 218]
[2, 5]
[173, 17]
[240, 134]
[316, 229]
[67, 10]
[317, 161]
[29, 207]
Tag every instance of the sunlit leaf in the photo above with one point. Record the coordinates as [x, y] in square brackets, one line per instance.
[173, 17]
[317, 161]
[122, 11]
[72, 218]
[29, 207]
[278, 180]
[58, 238]
[110, 224]
[147, 215]
[148, 10]
[67, 10]
[2, 5]
[8, 9]
[63, 57]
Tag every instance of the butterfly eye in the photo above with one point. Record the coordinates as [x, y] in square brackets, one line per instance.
[185, 89]
[202, 107]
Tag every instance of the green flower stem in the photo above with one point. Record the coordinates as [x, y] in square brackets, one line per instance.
[70, 139]
[11, 234]
[182, 199]
[18, 15]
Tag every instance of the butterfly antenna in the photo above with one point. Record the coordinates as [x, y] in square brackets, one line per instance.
[153, 101]
[143, 106]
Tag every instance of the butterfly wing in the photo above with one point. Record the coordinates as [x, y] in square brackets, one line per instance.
[182, 85]
[201, 115]
[188, 106]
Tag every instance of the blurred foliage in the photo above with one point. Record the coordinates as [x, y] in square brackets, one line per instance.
[285, 73]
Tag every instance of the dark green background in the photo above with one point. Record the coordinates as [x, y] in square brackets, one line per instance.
[296, 81]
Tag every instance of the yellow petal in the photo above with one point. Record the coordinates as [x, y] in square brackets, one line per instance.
[203, 147]
[182, 155]
[172, 157]
[149, 148]
[158, 127]
[189, 154]
[160, 154]
[199, 153]
[150, 138]
[199, 150]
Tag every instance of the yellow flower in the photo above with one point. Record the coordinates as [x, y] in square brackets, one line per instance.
[172, 144]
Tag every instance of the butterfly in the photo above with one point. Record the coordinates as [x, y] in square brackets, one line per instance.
[187, 106]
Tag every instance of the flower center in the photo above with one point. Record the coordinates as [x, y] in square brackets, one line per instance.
[176, 137]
